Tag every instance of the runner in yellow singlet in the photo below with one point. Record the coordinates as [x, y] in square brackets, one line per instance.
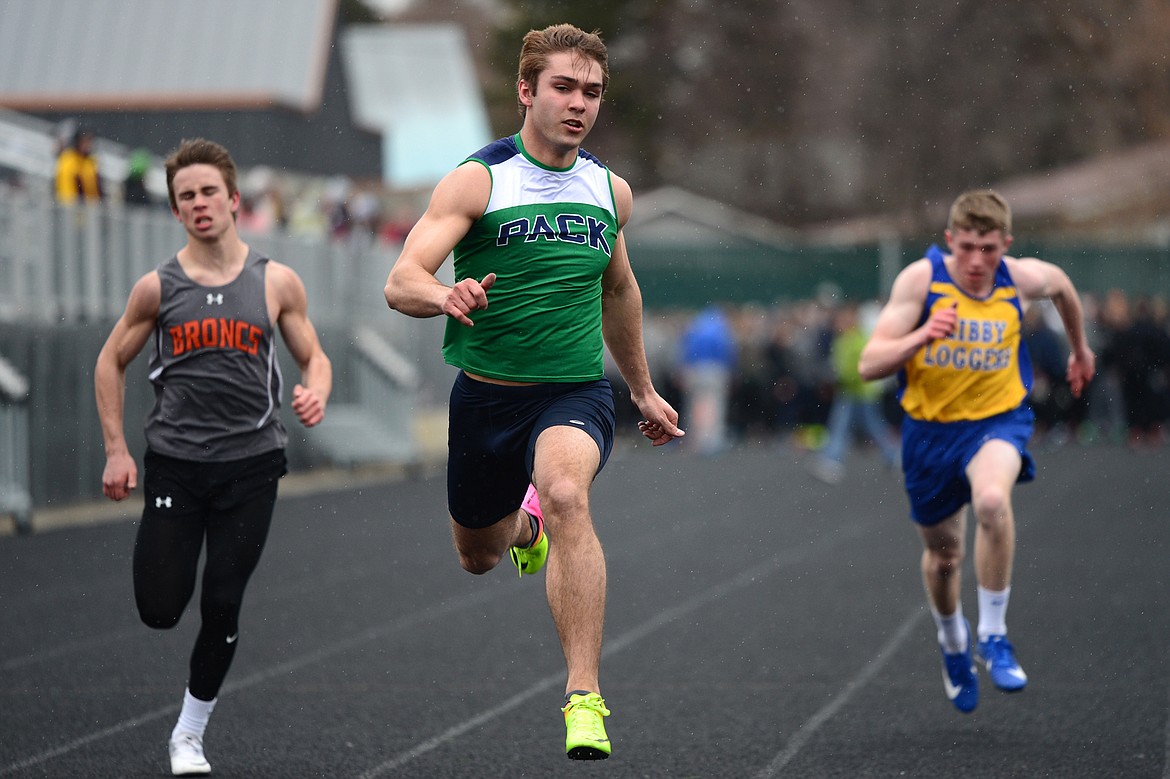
[951, 333]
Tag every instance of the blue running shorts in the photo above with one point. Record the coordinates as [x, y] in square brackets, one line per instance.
[491, 439]
[935, 457]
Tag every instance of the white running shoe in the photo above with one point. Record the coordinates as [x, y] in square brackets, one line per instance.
[187, 755]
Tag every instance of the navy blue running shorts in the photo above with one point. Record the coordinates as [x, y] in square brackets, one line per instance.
[492, 434]
[935, 456]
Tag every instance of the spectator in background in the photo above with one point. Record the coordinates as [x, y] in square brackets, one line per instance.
[365, 211]
[752, 412]
[785, 388]
[1105, 317]
[808, 336]
[1139, 352]
[394, 229]
[337, 192]
[856, 402]
[261, 204]
[248, 219]
[1047, 351]
[77, 171]
[134, 188]
[707, 356]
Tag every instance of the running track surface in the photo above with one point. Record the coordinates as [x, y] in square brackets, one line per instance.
[760, 624]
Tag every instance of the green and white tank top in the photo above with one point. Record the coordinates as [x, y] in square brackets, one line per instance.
[548, 235]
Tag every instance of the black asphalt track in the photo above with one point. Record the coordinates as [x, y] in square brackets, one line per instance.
[760, 624]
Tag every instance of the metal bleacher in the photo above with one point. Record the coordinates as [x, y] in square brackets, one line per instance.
[15, 496]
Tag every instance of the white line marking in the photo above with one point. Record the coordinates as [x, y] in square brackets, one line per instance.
[627, 639]
[1166, 751]
[373, 634]
[830, 709]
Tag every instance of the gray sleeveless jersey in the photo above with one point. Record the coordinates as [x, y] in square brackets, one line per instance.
[216, 379]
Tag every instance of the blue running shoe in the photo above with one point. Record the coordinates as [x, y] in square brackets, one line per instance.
[997, 654]
[959, 679]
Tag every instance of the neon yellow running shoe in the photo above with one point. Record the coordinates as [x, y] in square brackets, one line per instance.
[585, 737]
[531, 559]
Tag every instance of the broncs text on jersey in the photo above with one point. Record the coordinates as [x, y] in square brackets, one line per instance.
[215, 333]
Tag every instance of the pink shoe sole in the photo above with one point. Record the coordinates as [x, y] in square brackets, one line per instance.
[531, 503]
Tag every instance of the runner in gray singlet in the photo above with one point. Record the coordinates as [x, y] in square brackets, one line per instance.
[215, 443]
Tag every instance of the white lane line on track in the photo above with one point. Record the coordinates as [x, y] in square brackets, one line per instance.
[273, 594]
[1166, 751]
[625, 640]
[744, 579]
[70, 647]
[78, 743]
[830, 709]
[373, 634]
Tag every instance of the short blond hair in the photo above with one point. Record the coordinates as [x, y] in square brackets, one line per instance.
[981, 210]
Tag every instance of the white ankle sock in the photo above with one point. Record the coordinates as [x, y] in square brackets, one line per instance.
[952, 631]
[194, 716]
[993, 612]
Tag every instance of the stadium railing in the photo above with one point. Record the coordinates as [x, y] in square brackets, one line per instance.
[15, 495]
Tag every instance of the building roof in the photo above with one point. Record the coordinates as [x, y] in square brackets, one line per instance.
[673, 216]
[416, 84]
[1122, 194]
[1126, 188]
[86, 55]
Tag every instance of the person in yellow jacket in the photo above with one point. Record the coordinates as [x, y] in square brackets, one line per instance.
[77, 171]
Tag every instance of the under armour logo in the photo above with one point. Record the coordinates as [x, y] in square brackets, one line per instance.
[217, 299]
[160, 502]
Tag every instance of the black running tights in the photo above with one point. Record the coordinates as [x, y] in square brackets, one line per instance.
[166, 560]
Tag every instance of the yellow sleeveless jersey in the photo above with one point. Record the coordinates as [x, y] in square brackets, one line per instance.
[982, 368]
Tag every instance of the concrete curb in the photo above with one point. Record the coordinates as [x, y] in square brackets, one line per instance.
[308, 482]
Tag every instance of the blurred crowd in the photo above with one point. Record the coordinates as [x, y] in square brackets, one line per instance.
[337, 207]
[738, 373]
[781, 383]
